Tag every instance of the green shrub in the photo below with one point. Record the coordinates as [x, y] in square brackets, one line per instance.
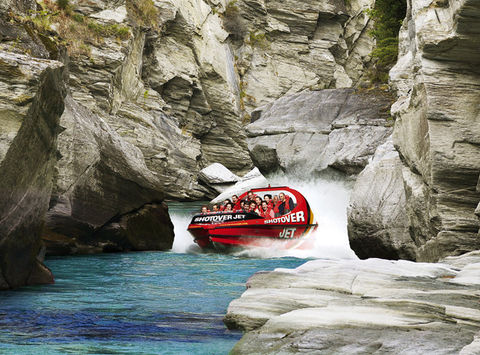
[63, 4]
[387, 16]
[143, 12]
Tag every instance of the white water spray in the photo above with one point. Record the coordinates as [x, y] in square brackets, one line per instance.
[328, 198]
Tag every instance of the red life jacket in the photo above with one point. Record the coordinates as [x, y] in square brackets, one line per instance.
[222, 207]
[275, 208]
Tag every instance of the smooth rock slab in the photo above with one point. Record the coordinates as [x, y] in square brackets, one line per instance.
[358, 307]
[314, 130]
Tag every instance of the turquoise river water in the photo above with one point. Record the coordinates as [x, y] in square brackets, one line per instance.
[136, 303]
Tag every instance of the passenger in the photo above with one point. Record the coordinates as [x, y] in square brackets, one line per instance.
[286, 204]
[215, 208]
[275, 200]
[228, 208]
[276, 204]
[222, 207]
[266, 211]
[268, 200]
[245, 206]
[258, 201]
[253, 208]
[205, 210]
[234, 199]
[239, 208]
[250, 196]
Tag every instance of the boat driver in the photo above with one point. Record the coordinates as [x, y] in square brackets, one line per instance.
[286, 204]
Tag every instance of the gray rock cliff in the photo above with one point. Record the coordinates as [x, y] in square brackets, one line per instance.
[311, 131]
[31, 103]
[436, 132]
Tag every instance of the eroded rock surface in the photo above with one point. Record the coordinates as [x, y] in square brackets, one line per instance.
[436, 130]
[353, 306]
[98, 177]
[311, 131]
[377, 219]
[288, 46]
[31, 103]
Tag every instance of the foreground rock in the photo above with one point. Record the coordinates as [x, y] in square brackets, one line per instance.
[31, 103]
[352, 306]
[311, 131]
[436, 134]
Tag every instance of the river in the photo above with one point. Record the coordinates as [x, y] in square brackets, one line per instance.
[155, 302]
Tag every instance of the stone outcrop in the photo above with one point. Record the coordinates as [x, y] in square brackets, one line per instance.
[436, 130]
[377, 219]
[99, 176]
[284, 47]
[31, 103]
[361, 306]
[311, 131]
[253, 179]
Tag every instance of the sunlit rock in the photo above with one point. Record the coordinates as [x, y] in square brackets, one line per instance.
[357, 306]
[377, 219]
[251, 180]
[311, 131]
[436, 130]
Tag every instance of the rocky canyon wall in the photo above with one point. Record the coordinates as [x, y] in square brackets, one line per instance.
[144, 94]
[436, 135]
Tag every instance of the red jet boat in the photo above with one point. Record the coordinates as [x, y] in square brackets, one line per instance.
[241, 230]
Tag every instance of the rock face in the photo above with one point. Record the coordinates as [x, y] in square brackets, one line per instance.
[377, 219]
[311, 131]
[436, 129]
[31, 103]
[368, 306]
[99, 177]
[284, 47]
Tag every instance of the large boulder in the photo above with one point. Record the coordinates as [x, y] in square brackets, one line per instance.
[99, 176]
[31, 104]
[361, 307]
[377, 218]
[311, 131]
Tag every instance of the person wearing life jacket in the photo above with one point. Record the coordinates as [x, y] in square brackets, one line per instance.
[268, 200]
[266, 211]
[253, 208]
[250, 196]
[215, 208]
[228, 208]
[258, 201]
[276, 205]
[239, 207]
[205, 210]
[222, 207]
[286, 204]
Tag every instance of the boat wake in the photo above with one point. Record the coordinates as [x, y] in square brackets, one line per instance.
[328, 198]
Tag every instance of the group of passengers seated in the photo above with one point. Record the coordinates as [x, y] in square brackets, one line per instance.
[269, 207]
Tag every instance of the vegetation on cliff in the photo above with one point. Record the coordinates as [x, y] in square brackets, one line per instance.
[388, 16]
[69, 28]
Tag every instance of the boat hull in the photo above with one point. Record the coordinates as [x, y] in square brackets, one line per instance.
[225, 237]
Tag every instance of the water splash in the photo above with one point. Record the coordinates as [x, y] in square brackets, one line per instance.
[328, 197]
